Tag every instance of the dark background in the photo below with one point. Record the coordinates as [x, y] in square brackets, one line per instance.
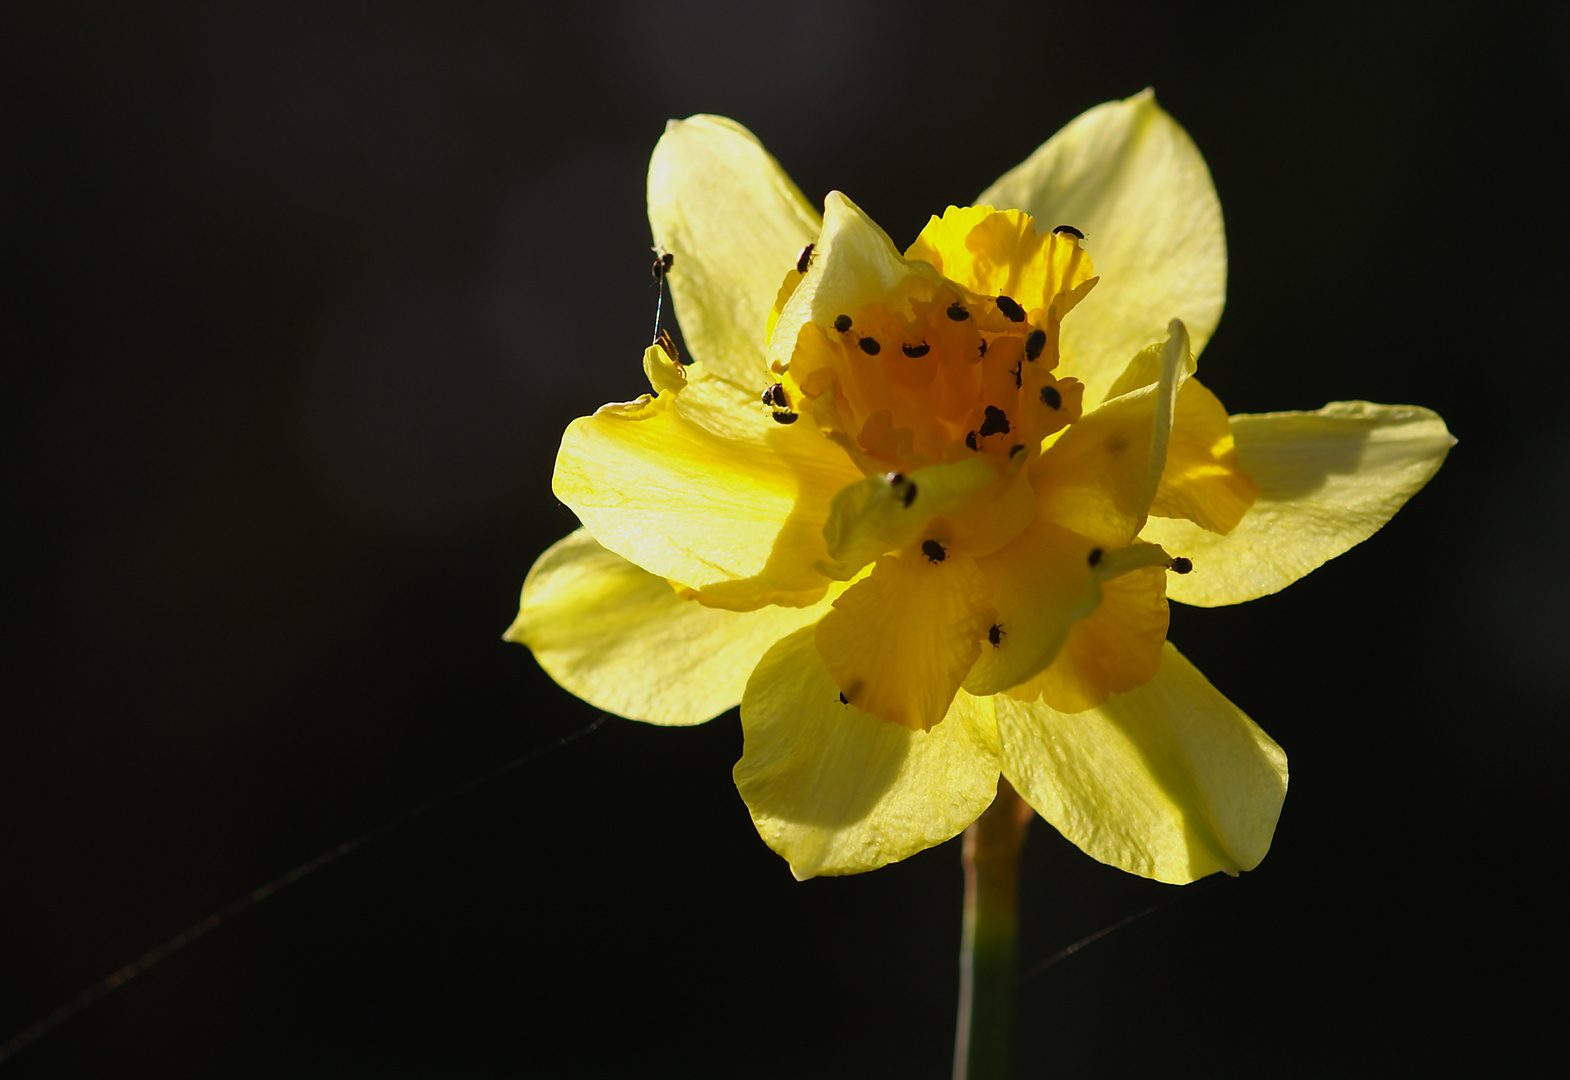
[298, 303]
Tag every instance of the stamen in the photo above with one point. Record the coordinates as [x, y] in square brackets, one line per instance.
[1034, 344]
[1011, 310]
[870, 346]
[934, 551]
[804, 260]
[914, 351]
[842, 323]
[1051, 398]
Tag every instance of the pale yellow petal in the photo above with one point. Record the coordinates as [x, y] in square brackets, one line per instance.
[1128, 176]
[899, 643]
[1169, 781]
[700, 486]
[735, 223]
[1328, 481]
[622, 640]
[836, 791]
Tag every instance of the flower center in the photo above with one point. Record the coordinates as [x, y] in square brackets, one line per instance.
[932, 373]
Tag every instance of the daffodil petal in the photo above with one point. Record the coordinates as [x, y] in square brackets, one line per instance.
[1202, 480]
[1328, 481]
[1099, 477]
[1114, 649]
[1039, 585]
[698, 485]
[735, 223]
[621, 639]
[855, 263]
[899, 643]
[836, 791]
[1128, 176]
[1169, 781]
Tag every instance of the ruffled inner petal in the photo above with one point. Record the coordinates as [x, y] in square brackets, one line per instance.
[1169, 781]
[899, 643]
[836, 791]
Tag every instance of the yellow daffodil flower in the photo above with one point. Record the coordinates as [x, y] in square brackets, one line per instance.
[920, 513]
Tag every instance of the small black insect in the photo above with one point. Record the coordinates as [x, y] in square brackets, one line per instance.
[1068, 229]
[995, 635]
[933, 551]
[663, 262]
[1015, 449]
[957, 312]
[1180, 565]
[1018, 378]
[784, 418]
[983, 346]
[995, 423]
[1011, 310]
[774, 394]
[1051, 398]
[804, 260]
[914, 351]
[970, 439]
[1095, 556]
[870, 346]
[842, 323]
[843, 699]
[1034, 344]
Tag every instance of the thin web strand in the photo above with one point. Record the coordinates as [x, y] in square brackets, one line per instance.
[37, 1030]
[1070, 950]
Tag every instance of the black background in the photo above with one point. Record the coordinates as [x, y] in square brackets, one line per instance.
[298, 304]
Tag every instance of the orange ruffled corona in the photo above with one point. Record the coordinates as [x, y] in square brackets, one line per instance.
[920, 513]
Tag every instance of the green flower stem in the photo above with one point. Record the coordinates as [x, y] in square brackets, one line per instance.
[988, 968]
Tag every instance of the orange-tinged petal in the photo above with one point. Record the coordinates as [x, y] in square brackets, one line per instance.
[899, 643]
[836, 791]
